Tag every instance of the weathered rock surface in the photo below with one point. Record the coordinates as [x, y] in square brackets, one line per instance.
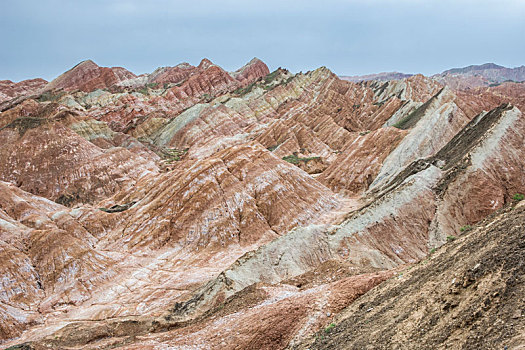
[468, 294]
[256, 197]
[88, 76]
[431, 126]
[49, 260]
[360, 161]
[9, 90]
[41, 155]
[252, 71]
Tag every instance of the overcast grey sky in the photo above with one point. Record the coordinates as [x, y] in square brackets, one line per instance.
[43, 38]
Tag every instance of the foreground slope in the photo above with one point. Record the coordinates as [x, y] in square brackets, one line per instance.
[468, 294]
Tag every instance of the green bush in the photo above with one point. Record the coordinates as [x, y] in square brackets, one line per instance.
[294, 159]
[271, 77]
[465, 228]
[451, 238]
[171, 155]
[518, 197]
[329, 328]
[144, 90]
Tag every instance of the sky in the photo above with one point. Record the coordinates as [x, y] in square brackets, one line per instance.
[43, 38]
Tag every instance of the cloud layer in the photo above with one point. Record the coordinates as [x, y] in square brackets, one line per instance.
[44, 38]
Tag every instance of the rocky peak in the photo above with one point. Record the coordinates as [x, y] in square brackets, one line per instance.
[88, 76]
[205, 64]
[86, 65]
[251, 71]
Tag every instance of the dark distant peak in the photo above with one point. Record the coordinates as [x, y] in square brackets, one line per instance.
[472, 68]
[383, 76]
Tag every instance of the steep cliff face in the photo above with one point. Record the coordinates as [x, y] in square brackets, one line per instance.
[360, 161]
[430, 127]
[196, 207]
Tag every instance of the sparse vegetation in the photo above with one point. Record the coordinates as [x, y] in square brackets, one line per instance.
[50, 96]
[272, 148]
[23, 124]
[294, 159]
[518, 197]
[243, 91]
[329, 328]
[144, 90]
[67, 199]
[173, 154]
[432, 251]
[271, 77]
[206, 97]
[267, 83]
[412, 118]
[465, 228]
[289, 80]
[451, 238]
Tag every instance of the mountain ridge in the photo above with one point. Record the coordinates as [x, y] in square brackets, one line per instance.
[244, 209]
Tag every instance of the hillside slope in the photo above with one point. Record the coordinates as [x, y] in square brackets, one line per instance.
[469, 294]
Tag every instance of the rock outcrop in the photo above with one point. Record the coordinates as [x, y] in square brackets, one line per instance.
[43, 156]
[88, 76]
[9, 90]
[252, 71]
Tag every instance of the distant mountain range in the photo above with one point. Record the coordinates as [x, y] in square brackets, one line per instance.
[384, 76]
[480, 75]
[459, 78]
